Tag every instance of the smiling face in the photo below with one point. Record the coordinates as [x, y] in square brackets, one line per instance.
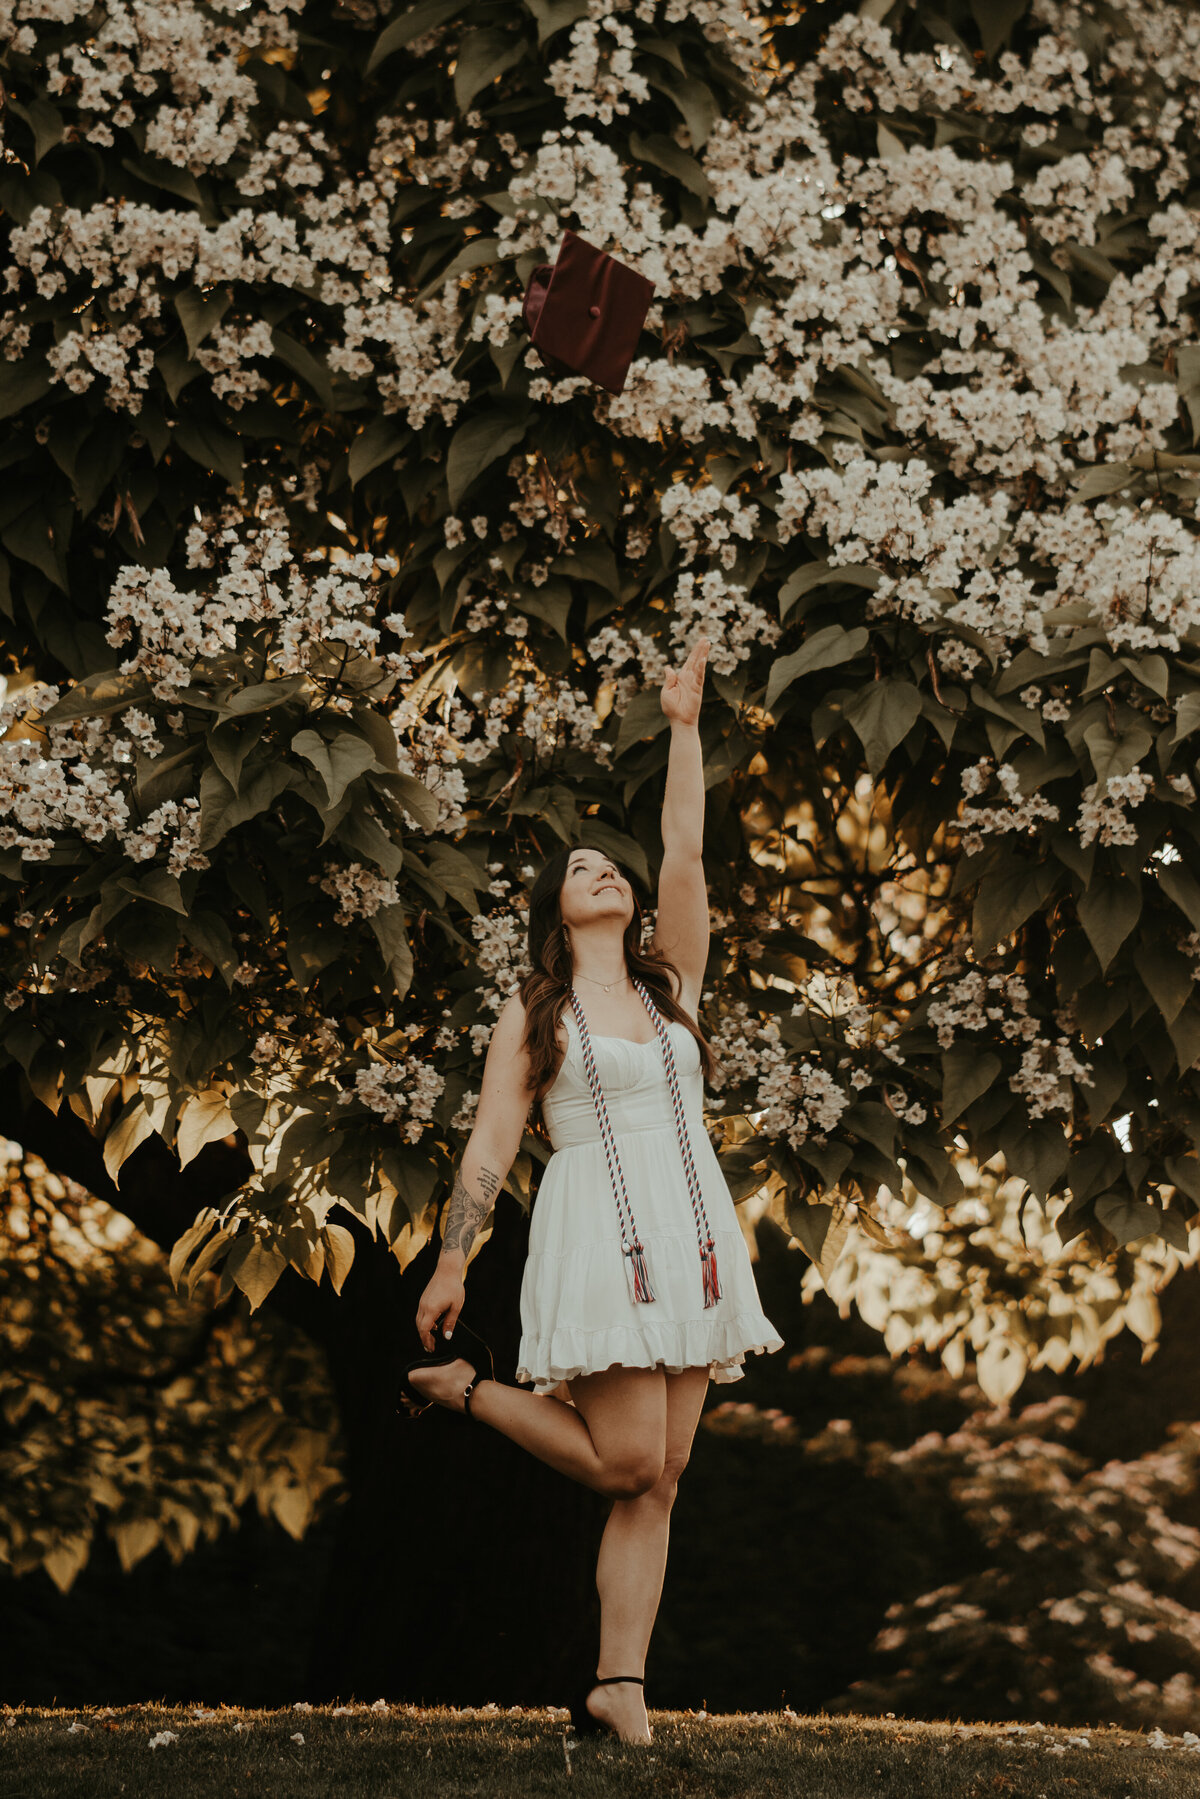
[594, 890]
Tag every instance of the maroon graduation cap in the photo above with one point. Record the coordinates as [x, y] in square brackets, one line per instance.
[586, 311]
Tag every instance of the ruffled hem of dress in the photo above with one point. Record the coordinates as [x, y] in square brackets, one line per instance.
[694, 1343]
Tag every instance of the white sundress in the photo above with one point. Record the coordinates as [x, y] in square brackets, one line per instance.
[577, 1313]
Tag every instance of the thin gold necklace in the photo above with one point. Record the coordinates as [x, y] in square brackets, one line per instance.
[596, 983]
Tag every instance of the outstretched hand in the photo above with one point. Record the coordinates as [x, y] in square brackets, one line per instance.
[683, 687]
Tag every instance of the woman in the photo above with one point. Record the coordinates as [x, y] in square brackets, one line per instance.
[638, 1285]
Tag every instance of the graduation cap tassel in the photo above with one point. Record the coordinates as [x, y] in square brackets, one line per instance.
[708, 1263]
[638, 1276]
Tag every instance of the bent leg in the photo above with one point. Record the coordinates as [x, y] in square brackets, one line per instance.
[611, 1438]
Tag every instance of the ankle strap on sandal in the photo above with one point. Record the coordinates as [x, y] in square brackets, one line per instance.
[608, 1679]
[468, 1390]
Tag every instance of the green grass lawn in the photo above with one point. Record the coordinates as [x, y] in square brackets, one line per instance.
[408, 1752]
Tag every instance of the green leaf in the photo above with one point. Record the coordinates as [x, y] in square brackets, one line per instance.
[883, 713]
[378, 442]
[664, 153]
[824, 574]
[1182, 889]
[208, 932]
[40, 536]
[44, 121]
[826, 648]
[200, 313]
[480, 253]
[995, 19]
[156, 171]
[967, 1071]
[593, 560]
[482, 55]
[263, 696]
[204, 1118]
[413, 23]
[97, 696]
[1006, 899]
[1105, 477]
[311, 369]
[556, 15]
[211, 447]
[1108, 912]
[1167, 974]
[1039, 1154]
[388, 926]
[337, 762]
[1187, 717]
[809, 1223]
[22, 383]
[129, 1129]
[1114, 756]
[643, 717]
[1129, 1220]
[476, 444]
[694, 100]
[255, 1266]
[158, 885]
[221, 809]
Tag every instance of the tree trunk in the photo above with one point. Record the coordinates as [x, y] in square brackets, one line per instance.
[464, 1567]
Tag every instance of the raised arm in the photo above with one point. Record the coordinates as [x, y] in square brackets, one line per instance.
[683, 802]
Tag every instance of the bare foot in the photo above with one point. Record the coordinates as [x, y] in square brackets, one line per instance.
[445, 1383]
[622, 1707]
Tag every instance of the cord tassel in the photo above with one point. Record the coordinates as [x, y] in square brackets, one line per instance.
[708, 1264]
[636, 1273]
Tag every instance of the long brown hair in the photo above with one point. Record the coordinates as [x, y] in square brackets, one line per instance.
[544, 991]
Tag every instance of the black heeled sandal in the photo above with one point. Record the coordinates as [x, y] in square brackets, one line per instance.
[411, 1401]
[582, 1722]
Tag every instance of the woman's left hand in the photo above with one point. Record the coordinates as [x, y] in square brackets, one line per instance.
[682, 688]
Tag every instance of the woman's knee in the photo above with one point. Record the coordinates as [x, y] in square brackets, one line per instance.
[633, 1475]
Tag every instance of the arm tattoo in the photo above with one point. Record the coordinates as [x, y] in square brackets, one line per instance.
[466, 1213]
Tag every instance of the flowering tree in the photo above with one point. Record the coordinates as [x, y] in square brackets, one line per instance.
[329, 613]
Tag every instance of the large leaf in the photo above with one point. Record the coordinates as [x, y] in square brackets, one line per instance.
[995, 19]
[883, 713]
[413, 23]
[482, 56]
[201, 313]
[204, 1118]
[826, 648]
[337, 762]
[967, 1071]
[825, 574]
[221, 808]
[255, 1265]
[132, 1127]
[476, 445]
[389, 928]
[1108, 912]
[377, 442]
[480, 253]
[665, 154]
[312, 370]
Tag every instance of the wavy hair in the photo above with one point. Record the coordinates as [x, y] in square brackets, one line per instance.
[544, 991]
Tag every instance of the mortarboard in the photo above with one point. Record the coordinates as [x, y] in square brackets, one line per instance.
[586, 311]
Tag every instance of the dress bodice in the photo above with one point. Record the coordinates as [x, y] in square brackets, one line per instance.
[633, 1078]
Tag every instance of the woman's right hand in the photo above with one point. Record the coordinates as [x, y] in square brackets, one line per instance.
[441, 1301]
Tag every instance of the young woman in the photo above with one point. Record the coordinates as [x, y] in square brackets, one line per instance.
[638, 1286]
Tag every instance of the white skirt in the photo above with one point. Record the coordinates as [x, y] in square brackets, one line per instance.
[577, 1313]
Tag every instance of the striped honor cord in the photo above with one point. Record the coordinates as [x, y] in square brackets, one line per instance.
[636, 1272]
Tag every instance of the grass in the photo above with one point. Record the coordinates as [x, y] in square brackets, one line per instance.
[417, 1752]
